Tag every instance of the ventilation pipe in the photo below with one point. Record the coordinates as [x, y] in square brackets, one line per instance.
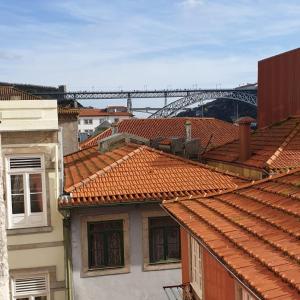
[244, 137]
[188, 131]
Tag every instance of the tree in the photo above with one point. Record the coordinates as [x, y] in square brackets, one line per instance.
[4, 271]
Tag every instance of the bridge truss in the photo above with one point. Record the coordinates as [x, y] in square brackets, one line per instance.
[187, 97]
[176, 106]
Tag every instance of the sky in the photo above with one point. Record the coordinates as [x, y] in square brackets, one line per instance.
[142, 44]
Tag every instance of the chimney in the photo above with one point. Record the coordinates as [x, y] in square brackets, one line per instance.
[244, 137]
[188, 130]
[114, 128]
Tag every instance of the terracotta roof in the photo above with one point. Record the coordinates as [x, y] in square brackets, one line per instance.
[254, 230]
[202, 128]
[96, 112]
[274, 147]
[11, 93]
[133, 173]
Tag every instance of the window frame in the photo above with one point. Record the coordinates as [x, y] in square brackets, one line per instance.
[105, 234]
[242, 294]
[199, 290]
[88, 121]
[147, 265]
[30, 295]
[28, 216]
[86, 271]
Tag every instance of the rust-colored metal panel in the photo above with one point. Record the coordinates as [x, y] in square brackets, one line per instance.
[278, 87]
[184, 240]
[218, 284]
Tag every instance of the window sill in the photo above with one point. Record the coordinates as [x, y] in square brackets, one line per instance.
[168, 265]
[29, 230]
[104, 272]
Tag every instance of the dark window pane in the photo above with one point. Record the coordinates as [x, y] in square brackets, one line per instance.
[40, 298]
[164, 239]
[36, 202]
[114, 249]
[157, 245]
[106, 244]
[35, 181]
[17, 202]
[16, 182]
[36, 196]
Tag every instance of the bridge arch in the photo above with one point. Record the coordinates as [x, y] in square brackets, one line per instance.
[175, 106]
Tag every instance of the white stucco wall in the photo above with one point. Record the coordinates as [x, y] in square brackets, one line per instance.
[96, 121]
[136, 285]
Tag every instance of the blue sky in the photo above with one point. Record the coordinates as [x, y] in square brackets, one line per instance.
[134, 44]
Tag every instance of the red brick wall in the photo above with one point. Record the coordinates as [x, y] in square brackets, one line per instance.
[278, 87]
[218, 284]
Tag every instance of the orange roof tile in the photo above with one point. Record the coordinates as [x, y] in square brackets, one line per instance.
[11, 93]
[137, 173]
[254, 230]
[202, 128]
[95, 112]
[274, 147]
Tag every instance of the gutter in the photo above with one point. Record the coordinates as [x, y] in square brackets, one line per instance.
[212, 254]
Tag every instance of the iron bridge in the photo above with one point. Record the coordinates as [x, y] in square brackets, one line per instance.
[187, 97]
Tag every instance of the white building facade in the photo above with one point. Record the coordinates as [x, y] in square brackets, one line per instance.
[90, 118]
[31, 156]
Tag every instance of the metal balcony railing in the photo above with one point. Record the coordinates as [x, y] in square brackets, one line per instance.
[178, 292]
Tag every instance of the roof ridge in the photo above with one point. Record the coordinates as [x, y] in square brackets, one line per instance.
[280, 149]
[92, 138]
[105, 170]
[240, 187]
[192, 162]
[80, 150]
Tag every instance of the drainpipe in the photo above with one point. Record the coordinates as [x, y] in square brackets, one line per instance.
[244, 137]
[188, 130]
[68, 253]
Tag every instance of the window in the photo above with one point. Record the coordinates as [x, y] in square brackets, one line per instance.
[243, 294]
[196, 267]
[89, 131]
[31, 287]
[105, 243]
[88, 121]
[164, 240]
[26, 192]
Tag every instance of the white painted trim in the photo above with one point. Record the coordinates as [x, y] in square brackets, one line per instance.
[25, 172]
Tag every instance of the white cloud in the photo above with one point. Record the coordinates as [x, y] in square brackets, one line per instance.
[192, 3]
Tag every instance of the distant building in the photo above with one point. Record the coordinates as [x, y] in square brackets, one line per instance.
[91, 118]
[68, 122]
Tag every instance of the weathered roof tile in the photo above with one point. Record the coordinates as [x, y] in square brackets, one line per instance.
[254, 229]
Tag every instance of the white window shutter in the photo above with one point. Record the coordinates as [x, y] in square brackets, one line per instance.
[34, 285]
[25, 163]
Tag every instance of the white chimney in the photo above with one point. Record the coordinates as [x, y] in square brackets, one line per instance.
[188, 130]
